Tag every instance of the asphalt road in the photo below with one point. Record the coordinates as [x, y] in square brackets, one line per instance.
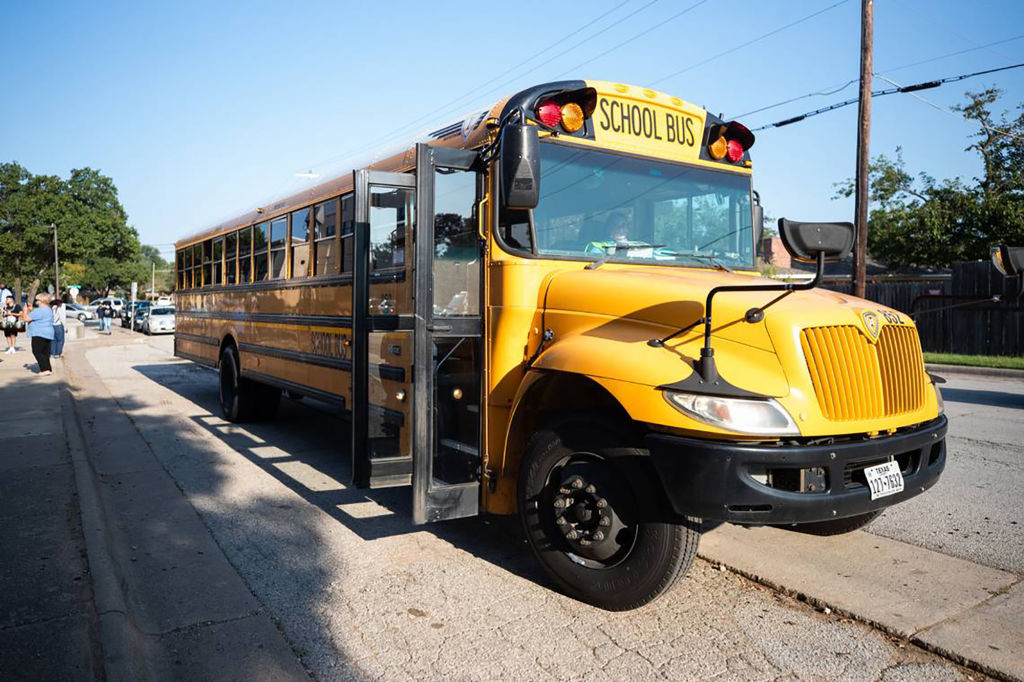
[361, 593]
[974, 512]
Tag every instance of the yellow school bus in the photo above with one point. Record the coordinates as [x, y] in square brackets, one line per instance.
[551, 308]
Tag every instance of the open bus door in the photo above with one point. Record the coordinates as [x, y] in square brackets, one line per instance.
[431, 435]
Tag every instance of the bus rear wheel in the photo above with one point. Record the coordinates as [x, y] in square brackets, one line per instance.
[585, 520]
[242, 399]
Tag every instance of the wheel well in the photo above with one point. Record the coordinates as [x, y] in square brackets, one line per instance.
[228, 340]
[546, 400]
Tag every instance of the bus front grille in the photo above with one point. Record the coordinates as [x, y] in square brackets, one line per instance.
[855, 379]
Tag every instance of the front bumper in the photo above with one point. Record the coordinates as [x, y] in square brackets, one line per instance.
[715, 480]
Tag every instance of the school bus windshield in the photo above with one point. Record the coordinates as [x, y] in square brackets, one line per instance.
[601, 206]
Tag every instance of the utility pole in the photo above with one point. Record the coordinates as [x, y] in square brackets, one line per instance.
[56, 263]
[152, 284]
[860, 249]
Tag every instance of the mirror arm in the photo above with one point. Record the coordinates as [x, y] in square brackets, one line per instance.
[705, 366]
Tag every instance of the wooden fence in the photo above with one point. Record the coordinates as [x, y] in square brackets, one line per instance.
[978, 329]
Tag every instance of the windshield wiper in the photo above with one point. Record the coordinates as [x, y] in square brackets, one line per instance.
[711, 259]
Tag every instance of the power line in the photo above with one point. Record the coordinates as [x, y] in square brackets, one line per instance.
[907, 89]
[953, 113]
[635, 37]
[854, 80]
[460, 101]
[749, 42]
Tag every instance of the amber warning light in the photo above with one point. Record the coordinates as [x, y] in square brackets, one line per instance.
[729, 141]
[566, 110]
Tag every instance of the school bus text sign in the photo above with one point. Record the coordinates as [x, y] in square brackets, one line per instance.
[645, 126]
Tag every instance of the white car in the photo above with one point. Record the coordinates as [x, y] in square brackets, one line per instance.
[160, 320]
[116, 303]
[80, 312]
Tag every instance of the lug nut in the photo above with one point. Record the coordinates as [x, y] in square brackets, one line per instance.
[559, 503]
[598, 536]
[585, 543]
[560, 521]
[572, 535]
[590, 489]
[602, 503]
[577, 483]
[605, 521]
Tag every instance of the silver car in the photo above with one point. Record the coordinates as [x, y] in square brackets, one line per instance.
[160, 320]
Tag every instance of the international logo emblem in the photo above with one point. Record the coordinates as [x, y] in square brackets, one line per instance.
[870, 322]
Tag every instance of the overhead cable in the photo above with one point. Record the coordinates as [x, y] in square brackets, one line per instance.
[908, 89]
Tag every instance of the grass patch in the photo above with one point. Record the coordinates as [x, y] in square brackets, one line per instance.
[998, 361]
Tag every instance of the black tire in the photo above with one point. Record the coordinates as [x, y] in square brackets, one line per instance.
[242, 399]
[838, 526]
[640, 557]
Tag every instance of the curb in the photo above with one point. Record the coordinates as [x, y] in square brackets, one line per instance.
[118, 639]
[1017, 374]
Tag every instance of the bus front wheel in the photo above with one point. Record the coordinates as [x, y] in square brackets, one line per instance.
[243, 399]
[584, 517]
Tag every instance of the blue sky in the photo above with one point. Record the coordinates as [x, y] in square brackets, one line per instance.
[202, 110]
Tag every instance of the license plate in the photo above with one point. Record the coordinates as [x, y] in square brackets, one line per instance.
[884, 479]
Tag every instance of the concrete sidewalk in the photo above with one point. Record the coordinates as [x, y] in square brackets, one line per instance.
[970, 613]
[170, 604]
[46, 604]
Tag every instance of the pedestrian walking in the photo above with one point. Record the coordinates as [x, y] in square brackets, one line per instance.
[60, 318]
[40, 328]
[106, 315]
[12, 324]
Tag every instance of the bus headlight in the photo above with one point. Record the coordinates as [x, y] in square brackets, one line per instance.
[759, 417]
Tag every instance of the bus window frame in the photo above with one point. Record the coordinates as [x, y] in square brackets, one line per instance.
[290, 243]
[315, 242]
[271, 250]
[217, 264]
[532, 254]
[249, 255]
[231, 237]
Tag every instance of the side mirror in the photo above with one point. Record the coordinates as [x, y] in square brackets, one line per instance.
[520, 166]
[805, 241]
[1009, 260]
[758, 225]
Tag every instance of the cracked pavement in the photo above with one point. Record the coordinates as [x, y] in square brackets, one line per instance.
[361, 593]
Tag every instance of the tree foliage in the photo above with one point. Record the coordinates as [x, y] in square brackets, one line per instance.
[919, 221]
[98, 248]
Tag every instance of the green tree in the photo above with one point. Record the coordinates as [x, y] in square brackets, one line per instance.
[918, 221]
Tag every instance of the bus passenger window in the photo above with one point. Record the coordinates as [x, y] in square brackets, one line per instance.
[218, 262]
[245, 255]
[180, 266]
[348, 219]
[230, 251]
[300, 243]
[325, 236]
[207, 262]
[278, 240]
[260, 237]
[197, 266]
[391, 214]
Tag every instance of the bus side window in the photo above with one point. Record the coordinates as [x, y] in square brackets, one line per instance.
[207, 262]
[325, 238]
[197, 266]
[391, 216]
[515, 229]
[180, 271]
[245, 255]
[218, 262]
[348, 219]
[300, 242]
[278, 242]
[260, 237]
[230, 252]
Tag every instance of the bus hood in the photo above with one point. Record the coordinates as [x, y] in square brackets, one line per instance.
[614, 311]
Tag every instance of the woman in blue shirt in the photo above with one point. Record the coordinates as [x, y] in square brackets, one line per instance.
[40, 328]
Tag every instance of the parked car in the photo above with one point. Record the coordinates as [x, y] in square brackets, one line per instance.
[137, 307]
[164, 300]
[80, 312]
[116, 303]
[140, 318]
[159, 320]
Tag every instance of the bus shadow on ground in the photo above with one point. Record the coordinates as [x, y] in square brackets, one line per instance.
[306, 449]
[972, 396]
